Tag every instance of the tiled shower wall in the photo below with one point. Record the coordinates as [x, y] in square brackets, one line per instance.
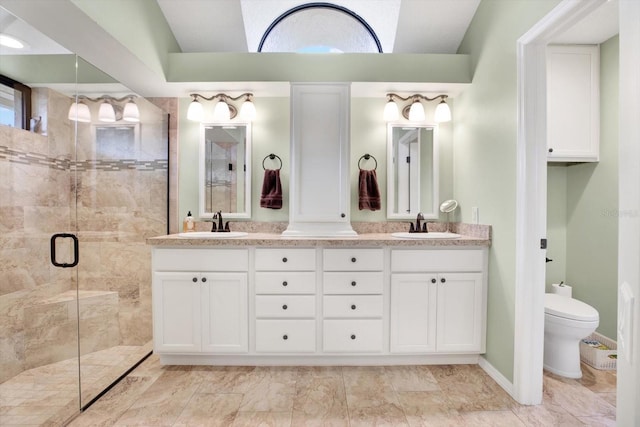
[121, 200]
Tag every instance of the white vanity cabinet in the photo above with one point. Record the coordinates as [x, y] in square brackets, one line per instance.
[200, 301]
[438, 301]
[573, 103]
[285, 301]
[353, 304]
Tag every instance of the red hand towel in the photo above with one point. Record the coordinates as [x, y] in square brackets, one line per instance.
[369, 193]
[271, 196]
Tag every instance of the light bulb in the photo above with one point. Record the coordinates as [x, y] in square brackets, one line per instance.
[391, 112]
[131, 112]
[195, 112]
[221, 112]
[442, 113]
[79, 112]
[416, 112]
[248, 110]
[106, 113]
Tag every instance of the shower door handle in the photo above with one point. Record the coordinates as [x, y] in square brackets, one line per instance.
[75, 250]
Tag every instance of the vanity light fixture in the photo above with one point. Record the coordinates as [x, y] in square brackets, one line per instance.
[414, 111]
[223, 110]
[109, 111]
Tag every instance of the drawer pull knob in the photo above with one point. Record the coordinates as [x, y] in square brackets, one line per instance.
[284, 307]
[353, 259]
[353, 283]
[443, 280]
[342, 215]
[195, 279]
[353, 306]
[433, 280]
[353, 337]
[284, 283]
[285, 337]
[284, 259]
[204, 279]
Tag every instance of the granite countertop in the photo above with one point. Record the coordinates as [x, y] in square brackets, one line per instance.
[470, 235]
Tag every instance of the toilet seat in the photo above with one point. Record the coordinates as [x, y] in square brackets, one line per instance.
[569, 308]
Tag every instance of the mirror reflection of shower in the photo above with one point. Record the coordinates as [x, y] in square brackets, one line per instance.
[224, 155]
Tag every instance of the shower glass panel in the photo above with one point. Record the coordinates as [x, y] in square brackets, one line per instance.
[121, 180]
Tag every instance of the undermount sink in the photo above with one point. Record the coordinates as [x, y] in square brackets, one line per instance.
[212, 235]
[430, 235]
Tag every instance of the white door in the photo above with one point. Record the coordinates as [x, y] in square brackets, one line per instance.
[176, 315]
[413, 313]
[460, 313]
[224, 313]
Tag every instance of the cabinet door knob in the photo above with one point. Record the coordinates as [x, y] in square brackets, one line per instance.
[353, 306]
[284, 259]
[353, 337]
[284, 307]
[195, 279]
[353, 259]
[342, 215]
[285, 337]
[443, 280]
[204, 279]
[284, 283]
[353, 283]
[433, 280]
[551, 150]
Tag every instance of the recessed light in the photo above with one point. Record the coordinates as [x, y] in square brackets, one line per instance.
[10, 41]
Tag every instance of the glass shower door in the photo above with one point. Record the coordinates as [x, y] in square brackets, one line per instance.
[121, 178]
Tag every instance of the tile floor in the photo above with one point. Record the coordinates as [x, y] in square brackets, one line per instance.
[48, 395]
[447, 395]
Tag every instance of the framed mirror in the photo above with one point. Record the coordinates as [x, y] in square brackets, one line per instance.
[225, 170]
[412, 171]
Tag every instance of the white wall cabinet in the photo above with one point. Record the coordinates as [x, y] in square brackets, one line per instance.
[319, 203]
[573, 103]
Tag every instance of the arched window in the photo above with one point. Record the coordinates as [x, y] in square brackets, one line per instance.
[319, 28]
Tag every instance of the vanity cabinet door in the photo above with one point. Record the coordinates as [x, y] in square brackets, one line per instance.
[176, 312]
[224, 313]
[460, 313]
[413, 313]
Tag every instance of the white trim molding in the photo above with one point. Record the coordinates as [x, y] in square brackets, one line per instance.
[531, 195]
[496, 375]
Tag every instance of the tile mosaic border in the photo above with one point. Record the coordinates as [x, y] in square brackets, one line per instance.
[37, 159]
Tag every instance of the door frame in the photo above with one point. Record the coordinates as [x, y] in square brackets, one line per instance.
[531, 195]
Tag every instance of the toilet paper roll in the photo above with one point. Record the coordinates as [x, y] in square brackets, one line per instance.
[561, 289]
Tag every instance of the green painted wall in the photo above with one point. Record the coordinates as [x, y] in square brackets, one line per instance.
[556, 224]
[590, 202]
[485, 135]
[271, 135]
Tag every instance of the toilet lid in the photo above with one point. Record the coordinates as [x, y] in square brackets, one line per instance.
[569, 308]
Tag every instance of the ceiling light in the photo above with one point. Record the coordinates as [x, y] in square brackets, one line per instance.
[10, 41]
[414, 111]
[223, 111]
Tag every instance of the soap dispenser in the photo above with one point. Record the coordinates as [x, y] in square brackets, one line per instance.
[189, 224]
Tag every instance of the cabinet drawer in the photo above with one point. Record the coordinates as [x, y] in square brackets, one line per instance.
[352, 283]
[353, 259]
[352, 336]
[285, 259]
[283, 282]
[285, 306]
[437, 260]
[352, 306]
[285, 336]
[200, 259]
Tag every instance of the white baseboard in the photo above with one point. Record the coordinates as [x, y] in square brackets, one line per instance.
[496, 376]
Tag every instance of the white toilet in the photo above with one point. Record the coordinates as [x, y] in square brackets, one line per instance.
[566, 322]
